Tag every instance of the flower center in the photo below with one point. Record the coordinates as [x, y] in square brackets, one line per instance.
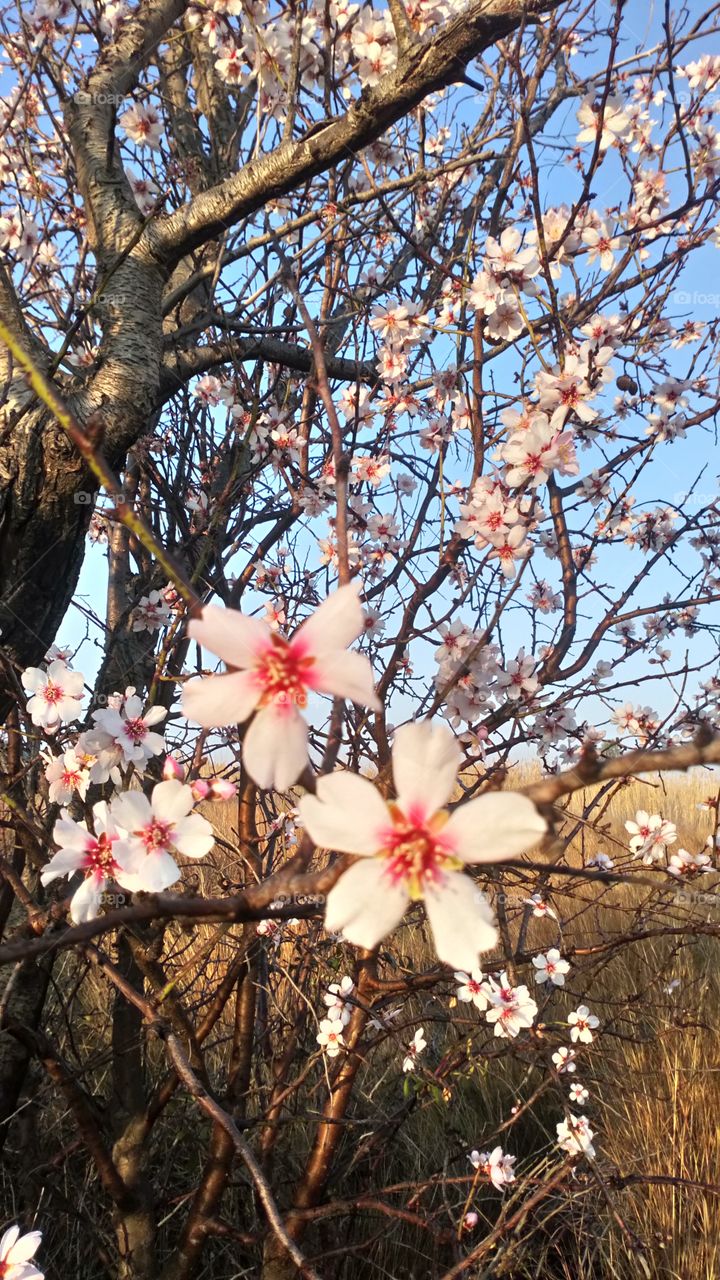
[156, 835]
[417, 853]
[51, 693]
[283, 674]
[101, 858]
[136, 730]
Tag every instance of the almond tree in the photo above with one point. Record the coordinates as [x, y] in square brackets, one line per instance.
[358, 362]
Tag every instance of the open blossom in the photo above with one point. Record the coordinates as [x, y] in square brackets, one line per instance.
[551, 967]
[16, 1254]
[497, 1166]
[472, 988]
[143, 125]
[92, 852]
[129, 731]
[274, 678]
[578, 1093]
[540, 907]
[412, 848]
[56, 694]
[564, 1060]
[417, 1045]
[336, 999]
[512, 1008]
[613, 126]
[153, 829]
[685, 864]
[575, 1136]
[330, 1036]
[582, 1024]
[152, 612]
[650, 834]
[67, 775]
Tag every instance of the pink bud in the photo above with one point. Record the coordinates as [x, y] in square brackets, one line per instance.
[221, 789]
[470, 1220]
[200, 789]
[172, 768]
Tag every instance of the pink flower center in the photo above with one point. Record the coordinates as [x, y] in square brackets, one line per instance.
[100, 859]
[418, 855]
[283, 674]
[136, 730]
[156, 835]
[51, 693]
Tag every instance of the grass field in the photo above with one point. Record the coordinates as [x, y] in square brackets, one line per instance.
[646, 1207]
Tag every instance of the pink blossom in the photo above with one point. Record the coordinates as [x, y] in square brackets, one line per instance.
[274, 677]
[412, 848]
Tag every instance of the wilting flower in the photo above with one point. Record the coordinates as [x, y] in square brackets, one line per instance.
[16, 1252]
[274, 677]
[155, 827]
[57, 694]
[92, 852]
[413, 848]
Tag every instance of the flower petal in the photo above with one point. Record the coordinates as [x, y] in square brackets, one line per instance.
[70, 835]
[498, 825]
[365, 905]
[233, 636]
[154, 715]
[22, 1248]
[193, 836]
[461, 919]
[64, 863]
[217, 701]
[275, 749]
[85, 902]
[346, 675]
[347, 814]
[334, 625]
[426, 759]
[147, 872]
[131, 810]
[172, 800]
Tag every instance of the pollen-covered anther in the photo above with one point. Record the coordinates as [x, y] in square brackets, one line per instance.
[283, 675]
[417, 853]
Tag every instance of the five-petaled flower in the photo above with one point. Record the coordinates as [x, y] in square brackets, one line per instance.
[154, 827]
[412, 848]
[56, 694]
[273, 679]
[582, 1023]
